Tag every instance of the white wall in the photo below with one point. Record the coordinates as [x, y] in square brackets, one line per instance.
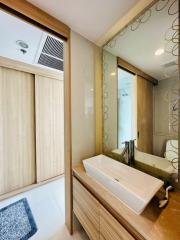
[82, 97]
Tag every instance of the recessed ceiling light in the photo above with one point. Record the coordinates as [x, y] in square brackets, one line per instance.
[22, 44]
[159, 51]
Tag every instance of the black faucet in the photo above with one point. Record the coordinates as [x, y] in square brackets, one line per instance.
[128, 152]
[131, 153]
[125, 152]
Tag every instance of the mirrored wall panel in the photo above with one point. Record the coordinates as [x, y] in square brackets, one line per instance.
[141, 92]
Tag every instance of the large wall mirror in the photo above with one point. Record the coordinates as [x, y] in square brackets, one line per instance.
[141, 91]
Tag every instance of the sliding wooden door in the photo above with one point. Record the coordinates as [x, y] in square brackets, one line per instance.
[17, 130]
[49, 127]
[144, 115]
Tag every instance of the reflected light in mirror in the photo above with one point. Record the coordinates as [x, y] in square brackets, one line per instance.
[159, 52]
[113, 74]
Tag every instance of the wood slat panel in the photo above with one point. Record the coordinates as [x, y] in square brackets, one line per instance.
[17, 130]
[110, 228]
[49, 127]
[86, 209]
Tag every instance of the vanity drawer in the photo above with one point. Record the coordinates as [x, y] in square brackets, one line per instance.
[110, 228]
[86, 209]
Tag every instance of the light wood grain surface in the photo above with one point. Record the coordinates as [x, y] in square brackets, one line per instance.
[68, 136]
[17, 130]
[99, 100]
[110, 228]
[86, 209]
[152, 224]
[145, 115]
[49, 127]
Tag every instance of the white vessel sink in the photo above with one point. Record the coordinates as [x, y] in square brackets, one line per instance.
[134, 188]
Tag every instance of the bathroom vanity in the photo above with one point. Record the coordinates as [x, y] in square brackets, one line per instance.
[104, 217]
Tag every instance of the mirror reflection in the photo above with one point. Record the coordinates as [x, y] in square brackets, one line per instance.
[141, 89]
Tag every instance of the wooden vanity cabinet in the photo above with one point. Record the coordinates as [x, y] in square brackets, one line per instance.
[95, 219]
[86, 209]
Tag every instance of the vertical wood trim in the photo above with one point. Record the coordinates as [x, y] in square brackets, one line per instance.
[67, 136]
[99, 100]
[144, 115]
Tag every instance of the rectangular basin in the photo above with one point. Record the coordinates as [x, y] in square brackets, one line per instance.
[132, 187]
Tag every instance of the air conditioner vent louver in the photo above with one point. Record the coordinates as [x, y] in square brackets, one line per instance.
[53, 47]
[52, 54]
[170, 64]
[51, 62]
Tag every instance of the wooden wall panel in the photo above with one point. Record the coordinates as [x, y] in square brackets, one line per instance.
[17, 135]
[145, 115]
[49, 127]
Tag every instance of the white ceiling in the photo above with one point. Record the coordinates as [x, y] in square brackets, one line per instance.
[90, 18]
[13, 29]
[138, 47]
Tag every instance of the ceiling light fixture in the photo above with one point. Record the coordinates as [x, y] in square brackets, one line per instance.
[159, 51]
[22, 44]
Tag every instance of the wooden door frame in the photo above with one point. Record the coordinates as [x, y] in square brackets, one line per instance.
[33, 15]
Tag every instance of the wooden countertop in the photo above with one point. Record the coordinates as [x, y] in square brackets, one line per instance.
[152, 224]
